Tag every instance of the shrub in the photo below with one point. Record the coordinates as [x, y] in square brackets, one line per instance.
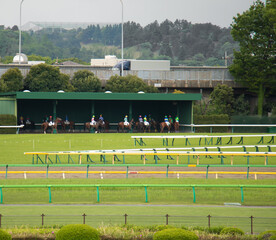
[7, 120]
[267, 235]
[232, 231]
[4, 235]
[272, 237]
[77, 232]
[175, 234]
[211, 119]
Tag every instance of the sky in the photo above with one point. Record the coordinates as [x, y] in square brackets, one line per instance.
[217, 12]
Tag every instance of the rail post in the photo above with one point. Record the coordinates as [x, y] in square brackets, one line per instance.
[50, 195]
[167, 219]
[194, 195]
[146, 194]
[84, 215]
[247, 175]
[0, 220]
[1, 195]
[7, 166]
[125, 219]
[209, 221]
[242, 197]
[98, 194]
[207, 170]
[87, 169]
[167, 172]
[252, 224]
[127, 172]
[42, 219]
[47, 169]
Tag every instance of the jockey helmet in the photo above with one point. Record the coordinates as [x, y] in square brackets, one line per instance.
[145, 116]
[93, 115]
[140, 116]
[165, 116]
[126, 116]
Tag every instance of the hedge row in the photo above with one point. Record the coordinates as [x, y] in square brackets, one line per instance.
[212, 119]
[7, 120]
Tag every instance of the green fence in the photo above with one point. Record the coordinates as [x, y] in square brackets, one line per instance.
[145, 186]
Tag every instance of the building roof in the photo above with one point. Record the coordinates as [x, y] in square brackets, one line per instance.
[103, 96]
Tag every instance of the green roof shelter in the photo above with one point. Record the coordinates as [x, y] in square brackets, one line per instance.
[80, 106]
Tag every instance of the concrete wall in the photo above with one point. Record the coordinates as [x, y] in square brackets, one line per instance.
[177, 77]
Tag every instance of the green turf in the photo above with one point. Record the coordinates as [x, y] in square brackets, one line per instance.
[12, 147]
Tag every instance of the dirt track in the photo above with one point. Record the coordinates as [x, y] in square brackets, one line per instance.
[136, 172]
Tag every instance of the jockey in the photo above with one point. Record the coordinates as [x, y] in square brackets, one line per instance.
[126, 123]
[166, 120]
[170, 119]
[146, 121]
[101, 118]
[177, 119]
[28, 121]
[51, 123]
[140, 119]
[66, 120]
[93, 122]
[21, 121]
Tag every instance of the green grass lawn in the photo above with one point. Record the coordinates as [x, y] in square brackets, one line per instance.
[12, 147]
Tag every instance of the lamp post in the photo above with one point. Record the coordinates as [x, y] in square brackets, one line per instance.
[122, 41]
[20, 33]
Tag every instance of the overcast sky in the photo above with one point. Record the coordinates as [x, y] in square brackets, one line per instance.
[218, 12]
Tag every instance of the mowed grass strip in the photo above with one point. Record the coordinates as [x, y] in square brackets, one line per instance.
[12, 147]
[137, 195]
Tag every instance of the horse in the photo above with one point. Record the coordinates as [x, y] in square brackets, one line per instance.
[147, 127]
[45, 125]
[88, 126]
[123, 127]
[100, 126]
[30, 125]
[69, 124]
[176, 126]
[164, 125]
[139, 126]
[154, 124]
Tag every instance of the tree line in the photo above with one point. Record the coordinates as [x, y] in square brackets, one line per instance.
[180, 41]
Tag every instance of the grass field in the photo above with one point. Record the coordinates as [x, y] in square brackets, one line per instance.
[12, 148]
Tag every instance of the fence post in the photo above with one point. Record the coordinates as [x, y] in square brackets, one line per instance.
[242, 198]
[207, 168]
[1, 195]
[47, 170]
[0, 220]
[252, 225]
[84, 218]
[7, 166]
[209, 221]
[50, 195]
[146, 194]
[98, 194]
[42, 219]
[194, 200]
[167, 173]
[167, 219]
[87, 169]
[125, 219]
[127, 172]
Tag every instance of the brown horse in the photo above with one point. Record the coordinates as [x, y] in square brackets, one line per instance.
[100, 126]
[164, 125]
[176, 126]
[139, 126]
[66, 124]
[88, 126]
[123, 127]
[46, 125]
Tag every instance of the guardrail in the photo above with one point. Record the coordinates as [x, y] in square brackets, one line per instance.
[145, 186]
[17, 127]
[47, 171]
[193, 126]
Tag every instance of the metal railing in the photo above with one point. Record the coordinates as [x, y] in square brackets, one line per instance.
[145, 186]
[249, 224]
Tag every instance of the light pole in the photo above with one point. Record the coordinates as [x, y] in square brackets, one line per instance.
[122, 41]
[20, 33]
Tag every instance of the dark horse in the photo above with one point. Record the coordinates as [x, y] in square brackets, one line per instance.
[154, 125]
[139, 126]
[123, 127]
[66, 124]
[164, 125]
[46, 125]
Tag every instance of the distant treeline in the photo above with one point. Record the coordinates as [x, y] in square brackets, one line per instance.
[182, 42]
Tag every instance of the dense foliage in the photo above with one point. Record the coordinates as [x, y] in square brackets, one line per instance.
[129, 83]
[175, 234]
[77, 232]
[46, 78]
[7, 120]
[267, 235]
[254, 64]
[4, 235]
[180, 41]
[232, 231]
[86, 81]
[11, 81]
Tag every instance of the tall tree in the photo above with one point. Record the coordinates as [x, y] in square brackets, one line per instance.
[86, 81]
[254, 65]
[46, 78]
[12, 80]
